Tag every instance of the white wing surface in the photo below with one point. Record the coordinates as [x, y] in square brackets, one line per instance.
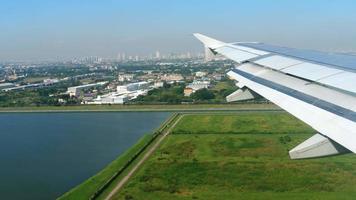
[318, 88]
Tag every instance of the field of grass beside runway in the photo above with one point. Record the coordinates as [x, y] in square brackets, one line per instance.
[242, 123]
[240, 156]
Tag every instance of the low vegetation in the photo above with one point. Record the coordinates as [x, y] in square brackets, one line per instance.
[169, 93]
[36, 97]
[240, 156]
[244, 123]
[174, 94]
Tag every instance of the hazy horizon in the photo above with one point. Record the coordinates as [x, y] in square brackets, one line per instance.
[48, 30]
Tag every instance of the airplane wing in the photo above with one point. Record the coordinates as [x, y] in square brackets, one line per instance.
[317, 88]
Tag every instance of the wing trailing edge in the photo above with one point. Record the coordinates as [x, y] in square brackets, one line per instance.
[301, 87]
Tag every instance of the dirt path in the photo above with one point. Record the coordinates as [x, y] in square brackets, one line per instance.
[143, 159]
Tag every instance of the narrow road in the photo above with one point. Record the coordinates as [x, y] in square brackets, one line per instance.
[143, 159]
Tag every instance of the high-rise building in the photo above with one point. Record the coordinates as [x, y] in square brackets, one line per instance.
[189, 55]
[118, 58]
[158, 55]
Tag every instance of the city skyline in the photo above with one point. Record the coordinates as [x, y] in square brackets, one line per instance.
[63, 30]
[157, 56]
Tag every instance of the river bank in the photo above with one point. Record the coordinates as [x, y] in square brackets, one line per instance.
[98, 184]
[140, 108]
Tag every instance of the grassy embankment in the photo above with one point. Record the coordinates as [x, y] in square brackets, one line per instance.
[83, 108]
[94, 186]
[240, 156]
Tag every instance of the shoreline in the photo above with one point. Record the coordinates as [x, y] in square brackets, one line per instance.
[141, 108]
[119, 166]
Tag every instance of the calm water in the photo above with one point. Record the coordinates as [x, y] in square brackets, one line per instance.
[43, 155]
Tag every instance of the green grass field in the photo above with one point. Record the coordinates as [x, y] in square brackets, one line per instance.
[240, 156]
[244, 123]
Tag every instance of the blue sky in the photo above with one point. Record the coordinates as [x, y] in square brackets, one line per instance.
[63, 29]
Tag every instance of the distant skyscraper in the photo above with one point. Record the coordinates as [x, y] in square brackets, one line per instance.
[118, 57]
[189, 55]
[123, 57]
[158, 55]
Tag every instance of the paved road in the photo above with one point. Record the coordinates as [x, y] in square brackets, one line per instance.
[143, 159]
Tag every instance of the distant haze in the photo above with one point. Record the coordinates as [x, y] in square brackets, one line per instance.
[64, 29]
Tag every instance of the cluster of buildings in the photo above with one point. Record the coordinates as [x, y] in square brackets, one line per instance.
[125, 77]
[122, 57]
[131, 85]
[171, 78]
[77, 91]
[89, 94]
[128, 85]
[149, 76]
[195, 86]
[201, 80]
[123, 94]
[125, 57]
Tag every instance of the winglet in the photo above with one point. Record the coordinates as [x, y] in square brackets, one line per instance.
[209, 42]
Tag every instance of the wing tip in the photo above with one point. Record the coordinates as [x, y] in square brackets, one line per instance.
[208, 41]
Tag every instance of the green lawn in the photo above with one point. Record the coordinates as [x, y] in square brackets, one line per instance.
[247, 123]
[241, 156]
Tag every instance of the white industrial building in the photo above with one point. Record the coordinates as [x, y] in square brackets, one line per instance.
[50, 81]
[158, 84]
[123, 94]
[125, 77]
[111, 98]
[75, 91]
[201, 74]
[197, 85]
[121, 89]
[171, 78]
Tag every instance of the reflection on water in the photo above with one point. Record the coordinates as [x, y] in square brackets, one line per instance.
[43, 155]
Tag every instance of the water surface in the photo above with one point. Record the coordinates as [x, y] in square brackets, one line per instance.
[43, 155]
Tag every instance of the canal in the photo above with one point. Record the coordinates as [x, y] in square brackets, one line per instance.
[43, 155]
